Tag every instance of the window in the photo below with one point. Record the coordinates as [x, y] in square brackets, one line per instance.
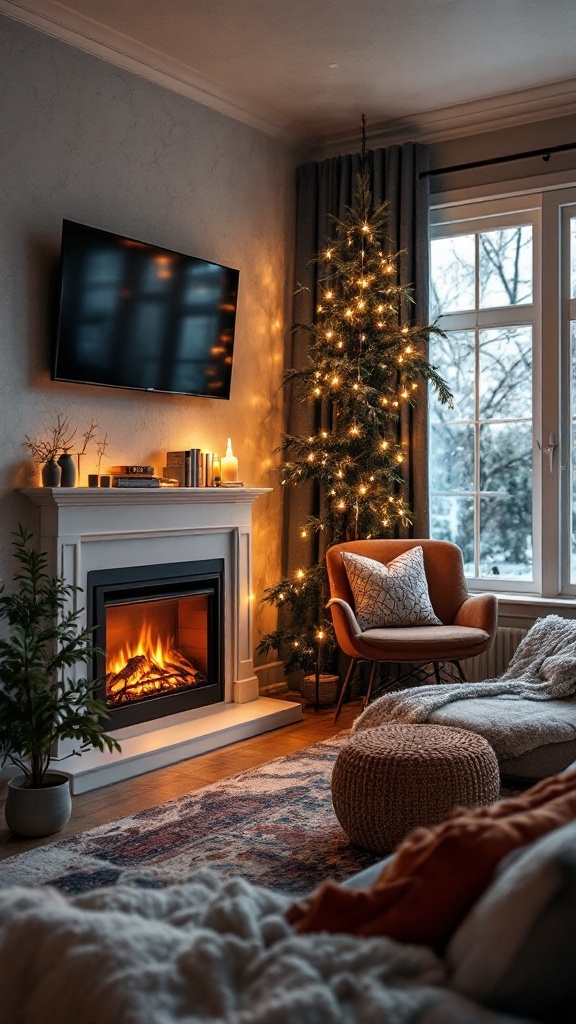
[497, 488]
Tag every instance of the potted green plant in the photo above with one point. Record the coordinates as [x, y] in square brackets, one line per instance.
[40, 700]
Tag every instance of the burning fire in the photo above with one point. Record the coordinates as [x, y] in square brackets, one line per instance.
[148, 666]
[154, 648]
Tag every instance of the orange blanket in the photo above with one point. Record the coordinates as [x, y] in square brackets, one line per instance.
[438, 873]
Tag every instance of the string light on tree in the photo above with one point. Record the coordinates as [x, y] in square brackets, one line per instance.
[365, 360]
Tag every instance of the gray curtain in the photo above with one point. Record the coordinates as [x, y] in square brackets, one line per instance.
[327, 188]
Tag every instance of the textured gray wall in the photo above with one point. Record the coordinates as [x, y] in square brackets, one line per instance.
[83, 140]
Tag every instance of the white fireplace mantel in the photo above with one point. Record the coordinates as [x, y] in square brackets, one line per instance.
[83, 529]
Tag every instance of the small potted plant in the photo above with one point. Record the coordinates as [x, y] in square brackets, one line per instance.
[40, 702]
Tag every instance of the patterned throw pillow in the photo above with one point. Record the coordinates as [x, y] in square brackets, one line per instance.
[390, 595]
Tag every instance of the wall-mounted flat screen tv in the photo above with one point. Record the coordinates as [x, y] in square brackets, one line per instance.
[133, 315]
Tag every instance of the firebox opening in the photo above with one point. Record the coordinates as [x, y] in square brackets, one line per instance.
[160, 632]
[155, 647]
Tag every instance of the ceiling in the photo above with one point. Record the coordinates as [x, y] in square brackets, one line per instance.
[304, 70]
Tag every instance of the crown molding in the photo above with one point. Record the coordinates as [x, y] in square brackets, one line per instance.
[93, 37]
[540, 103]
[557, 99]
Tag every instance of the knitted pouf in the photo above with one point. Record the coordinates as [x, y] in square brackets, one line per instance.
[388, 780]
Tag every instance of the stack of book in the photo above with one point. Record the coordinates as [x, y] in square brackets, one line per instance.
[134, 476]
[187, 467]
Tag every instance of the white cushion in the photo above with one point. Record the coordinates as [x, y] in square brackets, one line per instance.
[514, 951]
[390, 595]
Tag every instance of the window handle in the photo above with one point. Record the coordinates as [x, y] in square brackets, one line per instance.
[550, 449]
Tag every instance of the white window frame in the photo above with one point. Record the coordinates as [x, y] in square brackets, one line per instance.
[491, 214]
[562, 210]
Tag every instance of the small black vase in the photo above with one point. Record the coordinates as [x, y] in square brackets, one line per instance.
[68, 467]
[51, 474]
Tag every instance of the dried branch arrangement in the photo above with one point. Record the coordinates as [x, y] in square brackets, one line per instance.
[101, 446]
[58, 440]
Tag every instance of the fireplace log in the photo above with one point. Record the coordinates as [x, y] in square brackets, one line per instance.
[142, 677]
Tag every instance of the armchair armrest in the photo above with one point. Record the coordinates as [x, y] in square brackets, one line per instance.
[350, 619]
[480, 611]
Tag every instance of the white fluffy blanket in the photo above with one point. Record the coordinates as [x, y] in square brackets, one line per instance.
[543, 669]
[207, 952]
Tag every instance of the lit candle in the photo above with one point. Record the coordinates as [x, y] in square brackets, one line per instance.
[228, 465]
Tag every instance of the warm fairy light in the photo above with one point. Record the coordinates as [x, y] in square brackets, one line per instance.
[404, 393]
[400, 359]
[355, 387]
[335, 381]
[371, 479]
[339, 474]
[348, 313]
[380, 324]
[340, 344]
[384, 522]
[363, 282]
[384, 401]
[320, 634]
[311, 457]
[404, 330]
[399, 458]
[320, 309]
[395, 404]
[384, 445]
[303, 534]
[365, 228]
[332, 493]
[324, 433]
[300, 574]
[414, 386]
[408, 349]
[329, 295]
[329, 334]
[296, 643]
[362, 489]
[361, 304]
[310, 439]
[380, 309]
[354, 430]
[317, 391]
[342, 504]
[328, 254]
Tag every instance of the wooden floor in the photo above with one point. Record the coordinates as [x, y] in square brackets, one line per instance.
[124, 798]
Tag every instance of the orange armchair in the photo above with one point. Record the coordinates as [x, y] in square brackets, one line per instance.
[468, 622]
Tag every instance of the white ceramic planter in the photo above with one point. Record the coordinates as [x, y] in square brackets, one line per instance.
[41, 811]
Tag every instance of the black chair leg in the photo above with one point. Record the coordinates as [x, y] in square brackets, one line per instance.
[461, 672]
[345, 685]
[366, 700]
[437, 671]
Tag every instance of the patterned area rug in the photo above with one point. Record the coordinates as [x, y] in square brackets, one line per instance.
[274, 825]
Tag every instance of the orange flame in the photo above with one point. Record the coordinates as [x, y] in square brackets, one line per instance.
[154, 647]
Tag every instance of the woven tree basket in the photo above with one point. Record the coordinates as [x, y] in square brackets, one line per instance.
[327, 690]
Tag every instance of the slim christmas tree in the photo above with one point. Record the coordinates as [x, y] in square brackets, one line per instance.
[365, 362]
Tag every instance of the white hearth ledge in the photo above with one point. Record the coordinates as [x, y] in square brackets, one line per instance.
[169, 740]
[88, 528]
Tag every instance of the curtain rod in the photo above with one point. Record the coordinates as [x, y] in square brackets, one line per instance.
[544, 153]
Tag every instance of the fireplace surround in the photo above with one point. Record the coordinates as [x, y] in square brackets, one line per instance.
[159, 637]
[107, 542]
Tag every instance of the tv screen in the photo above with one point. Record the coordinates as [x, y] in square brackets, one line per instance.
[134, 315]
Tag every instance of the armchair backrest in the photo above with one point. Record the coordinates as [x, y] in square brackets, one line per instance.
[442, 563]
